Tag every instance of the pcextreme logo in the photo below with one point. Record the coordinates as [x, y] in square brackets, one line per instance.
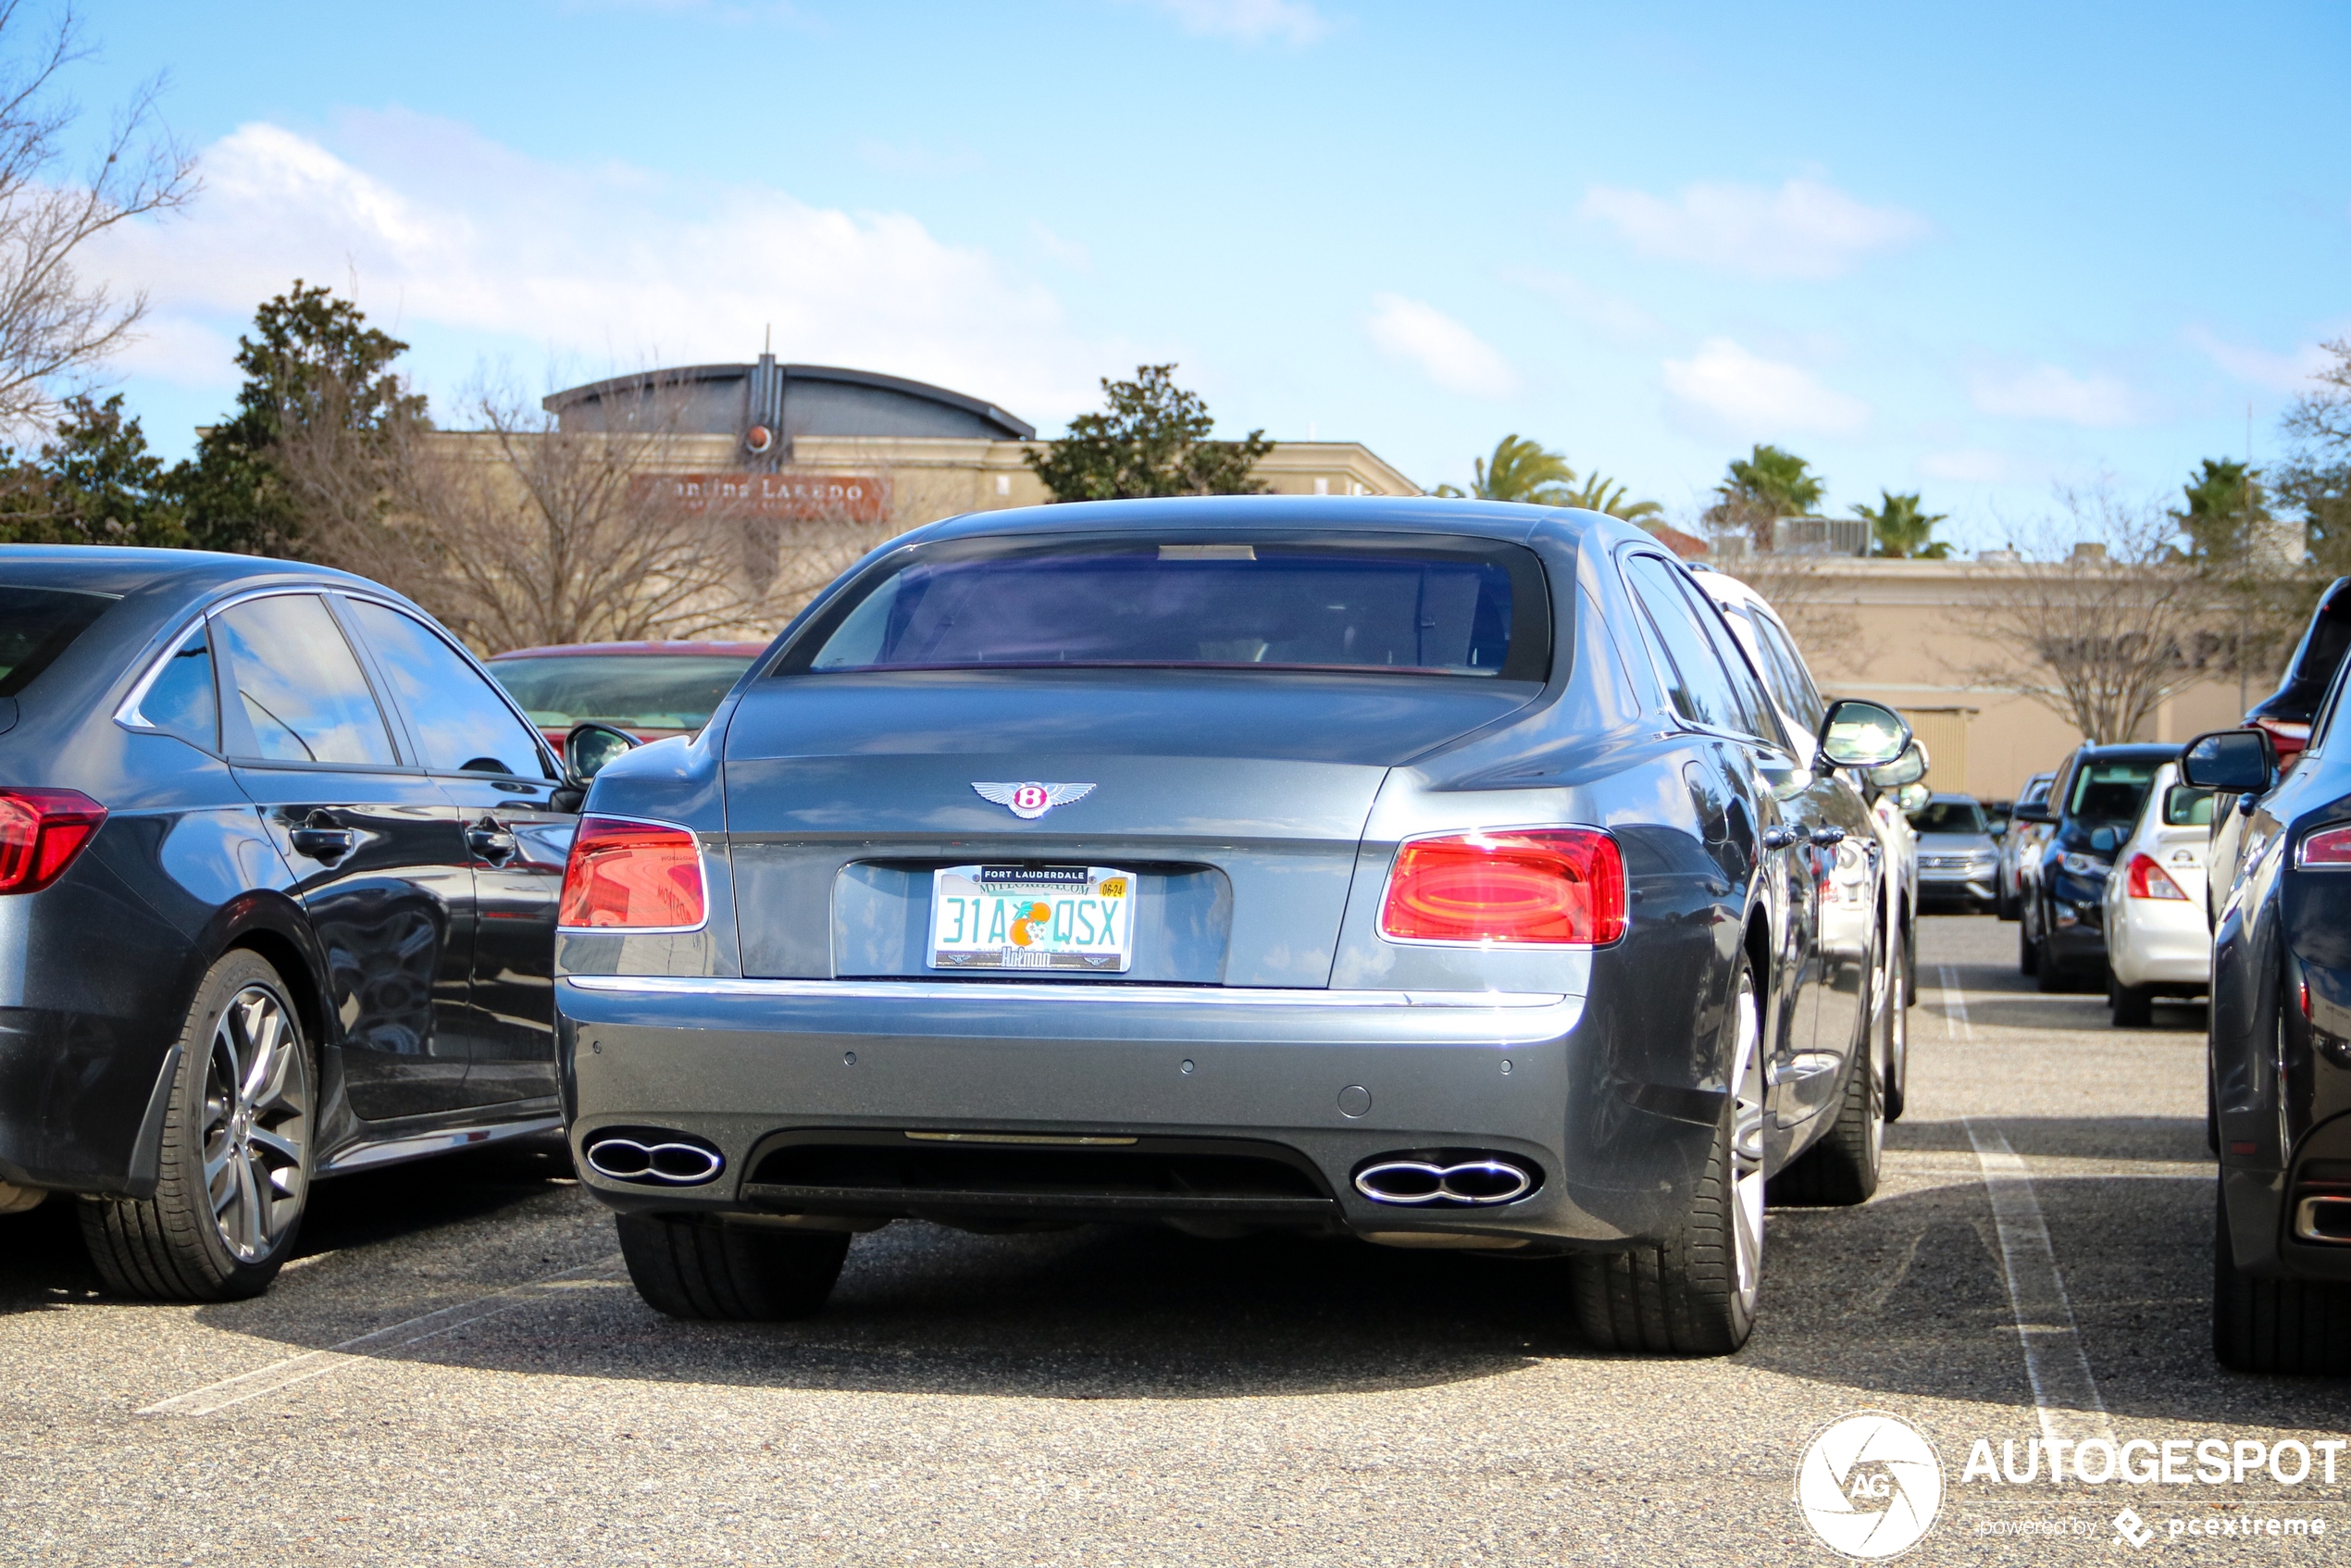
[1869, 1484]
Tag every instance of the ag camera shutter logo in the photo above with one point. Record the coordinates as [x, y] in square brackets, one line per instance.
[1869, 1484]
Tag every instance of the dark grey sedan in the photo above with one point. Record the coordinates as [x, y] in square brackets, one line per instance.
[1436, 873]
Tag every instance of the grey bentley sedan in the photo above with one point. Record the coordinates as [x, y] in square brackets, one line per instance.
[1436, 873]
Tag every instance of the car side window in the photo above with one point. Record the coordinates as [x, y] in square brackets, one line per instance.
[1700, 686]
[1754, 703]
[462, 725]
[182, 700]
[1804, 702]
[301, 696]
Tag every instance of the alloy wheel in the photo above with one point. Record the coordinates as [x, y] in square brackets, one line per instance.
[1747, 1146]
[256, 1124]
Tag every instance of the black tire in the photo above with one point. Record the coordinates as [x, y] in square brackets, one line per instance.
[2028, 952]
[1894, 1045]
[1842, 1168]
[2211, 1106]
[2130, 1007]
[2289, 1325]
[2003, 905]
[2048, 974]
[1910, 963]
[243, 1098]
[698, 1268]
[1695, 1293]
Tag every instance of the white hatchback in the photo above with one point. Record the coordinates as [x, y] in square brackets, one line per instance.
[2157, 943]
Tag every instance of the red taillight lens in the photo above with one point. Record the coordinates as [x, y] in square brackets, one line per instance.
[2286, 737]
[631, 875]
[2327, 847]
[1539, 885]
[40, 831]
[2149, 881]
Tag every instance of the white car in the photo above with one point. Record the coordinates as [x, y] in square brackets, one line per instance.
[2157, 941]
[1772, 649]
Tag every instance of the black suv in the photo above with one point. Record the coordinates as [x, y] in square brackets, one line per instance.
[2094, 803]
[279, 874]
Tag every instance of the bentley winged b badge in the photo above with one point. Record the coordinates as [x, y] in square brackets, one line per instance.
[1029, 801]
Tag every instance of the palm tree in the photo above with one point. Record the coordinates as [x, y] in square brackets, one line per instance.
[1772, 477]
[1601, 494]
[1900, 527]
[1520, 470]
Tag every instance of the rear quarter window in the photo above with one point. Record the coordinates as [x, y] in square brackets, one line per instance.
[39, 623]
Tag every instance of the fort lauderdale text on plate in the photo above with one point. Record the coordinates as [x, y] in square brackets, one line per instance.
[2143, 1462]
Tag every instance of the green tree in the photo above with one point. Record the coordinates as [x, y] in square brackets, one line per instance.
[96, 483]
[1519, 470]
[313, 370]
[2316, 479]
[2227, 510]
[1901, 528]
[1151, 440]
[1599, 493]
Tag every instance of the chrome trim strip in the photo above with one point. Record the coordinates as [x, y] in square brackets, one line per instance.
[1073, 991]
[391, 1150]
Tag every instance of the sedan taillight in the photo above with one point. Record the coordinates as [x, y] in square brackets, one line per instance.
[40, 831]
[2329, 849]
[628, 876]
[1551, 885]
[2287, 738]
[2148, 880]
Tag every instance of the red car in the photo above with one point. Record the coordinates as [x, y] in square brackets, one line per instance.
[652, 689]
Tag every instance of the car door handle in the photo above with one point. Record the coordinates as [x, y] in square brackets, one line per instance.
[1782, 837]
[323, 843]
[1824, 837]
[492, 842]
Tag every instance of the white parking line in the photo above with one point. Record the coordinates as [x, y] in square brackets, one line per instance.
[2064, 1392]
[1955, 1006]
[317, 1363]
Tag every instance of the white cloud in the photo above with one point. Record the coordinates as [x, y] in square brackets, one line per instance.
[1803, 229]
[2278, 372]
[435, 227]
[1725, 390]
[1967, 466]
[1610, 314]
[1446, 352]
[2044, 391]
[1069, 253]
[1252, 21]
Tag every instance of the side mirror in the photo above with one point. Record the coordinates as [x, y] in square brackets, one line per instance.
[1908, 768]
[1912, 798]
[2033, 811]
[1857, 733]
[588, 749]
[2239, 762]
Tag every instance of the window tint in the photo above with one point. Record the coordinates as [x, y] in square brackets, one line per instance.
[633, 690]
[38, 624]
[1450, 607]
[2110, 791]
[1789, 675]
[1755, 707]
[299, 689]
[182, 700]
[1701, 689]
[461, 723]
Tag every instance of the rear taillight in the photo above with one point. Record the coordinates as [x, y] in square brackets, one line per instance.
[1551, 885]
[633, 876]
[2149, 881]
[2286, 737]
[2329, 848]
[40, 831]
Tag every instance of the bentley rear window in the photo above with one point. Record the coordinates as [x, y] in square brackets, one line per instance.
[1395, 605]
[38, 624]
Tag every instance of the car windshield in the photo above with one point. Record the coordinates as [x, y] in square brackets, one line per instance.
[1948, 816]
[632, 691]
[38, 624]
[1464, 607]
[2110, 791]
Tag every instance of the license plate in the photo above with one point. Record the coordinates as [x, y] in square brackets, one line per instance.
[1061, 917]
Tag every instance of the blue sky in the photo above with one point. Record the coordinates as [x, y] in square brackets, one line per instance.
[1976, 253]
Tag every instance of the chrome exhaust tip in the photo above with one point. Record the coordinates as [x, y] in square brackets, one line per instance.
[2325, 1217]
[653, 1159]
[1470, 1180]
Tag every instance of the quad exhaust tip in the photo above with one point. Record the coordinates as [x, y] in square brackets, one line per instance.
[1445, 1181]
[2326, 1217]
[653, 1159]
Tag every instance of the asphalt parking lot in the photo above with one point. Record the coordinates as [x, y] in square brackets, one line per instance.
[454, 1369]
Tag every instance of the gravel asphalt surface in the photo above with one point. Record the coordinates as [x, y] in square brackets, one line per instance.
[1113, 1397]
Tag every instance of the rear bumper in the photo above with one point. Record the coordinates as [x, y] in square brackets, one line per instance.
[2158, 941]
[1944, 888]
[1326, 1080]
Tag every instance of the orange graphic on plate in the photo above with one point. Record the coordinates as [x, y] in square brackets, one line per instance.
[1035, 915]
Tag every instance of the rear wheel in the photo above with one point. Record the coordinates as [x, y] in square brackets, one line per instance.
[235, 1165]
[1842, 1168]
[693, 1267]
[2028, 952]
[1894, 1027]
[2132, 1007]
[1695, 1293]
[2047, 973]
[2292, 1325]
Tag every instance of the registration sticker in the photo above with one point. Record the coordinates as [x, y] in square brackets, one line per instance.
[1075, 917]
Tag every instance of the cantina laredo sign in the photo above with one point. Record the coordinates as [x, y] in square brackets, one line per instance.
[800, 497]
